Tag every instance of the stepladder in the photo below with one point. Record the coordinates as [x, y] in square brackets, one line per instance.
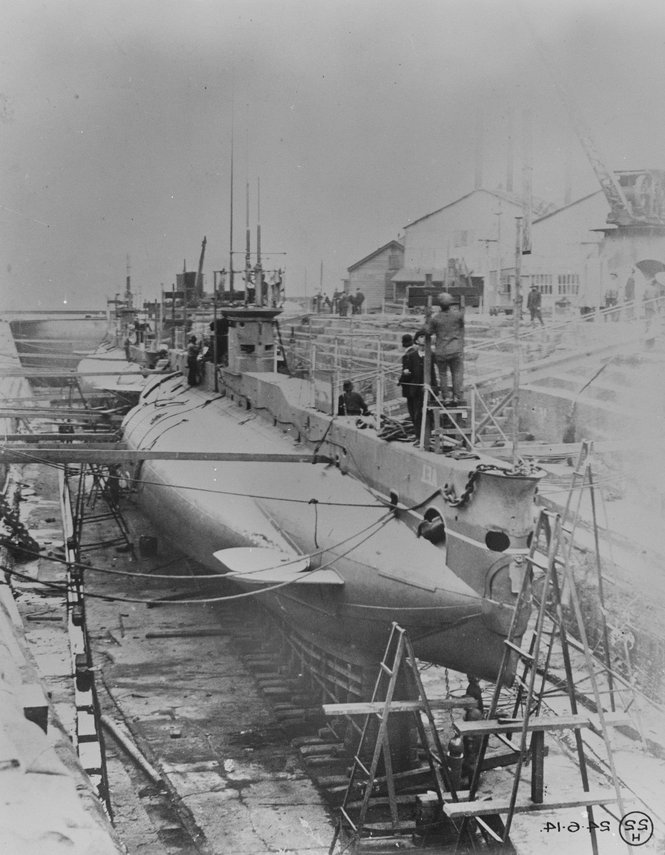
[444, 426]
[375, 803]
[534, 711]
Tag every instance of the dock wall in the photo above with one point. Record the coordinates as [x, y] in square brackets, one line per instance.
[48, 803]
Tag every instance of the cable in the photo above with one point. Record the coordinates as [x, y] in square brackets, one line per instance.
[33, 458]
[380, 503]
[244, 595]
[377, 524]
[207, 576]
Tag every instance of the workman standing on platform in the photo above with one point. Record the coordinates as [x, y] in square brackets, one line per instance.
[448, 328]
[192, 362]
[351, 403]
[405, 380]
[413, 379]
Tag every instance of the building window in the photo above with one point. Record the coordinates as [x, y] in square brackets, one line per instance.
[568, 284]
[393, 261]
[542, 281]
[461, 237]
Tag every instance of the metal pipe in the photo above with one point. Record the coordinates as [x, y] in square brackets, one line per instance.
[131, 749]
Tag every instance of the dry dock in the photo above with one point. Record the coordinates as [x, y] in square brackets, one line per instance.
[209, 745]
[200, 737]
[211, 767]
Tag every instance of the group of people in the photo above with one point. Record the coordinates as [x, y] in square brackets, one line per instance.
[343, 303]
[447, 358]
[628, 304]
[446, 329]
[348, 303]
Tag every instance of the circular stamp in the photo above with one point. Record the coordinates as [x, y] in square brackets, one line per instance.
[636, 828]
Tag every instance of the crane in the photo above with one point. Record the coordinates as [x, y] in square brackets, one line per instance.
[635, 197]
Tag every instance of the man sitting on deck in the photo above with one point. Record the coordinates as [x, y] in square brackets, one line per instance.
[351, 403]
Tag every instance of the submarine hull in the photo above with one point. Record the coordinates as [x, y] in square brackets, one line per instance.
[327, 554]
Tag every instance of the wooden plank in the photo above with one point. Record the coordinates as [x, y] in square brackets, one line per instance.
[403, 799]
[39, 356]
[537, 766]
[80, 436]
[112, 455]
[370, 707]
[43, 372]
[459, 810]
[563, 722]
[381, 828]
[553, 449]
[55, 413]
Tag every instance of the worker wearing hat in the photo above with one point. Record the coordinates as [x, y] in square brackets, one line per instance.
[448, 328]
[192, 362]
[533, 304]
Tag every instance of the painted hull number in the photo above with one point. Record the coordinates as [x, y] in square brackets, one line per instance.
[429, 475]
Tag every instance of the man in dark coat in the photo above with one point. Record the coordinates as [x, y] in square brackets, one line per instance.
[351, 403]
[358, 301]
[533, 304]
[405, 377]
[414, 371]
[192, 362]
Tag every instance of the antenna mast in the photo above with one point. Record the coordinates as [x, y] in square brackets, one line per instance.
[128, 285]
[258, 277]
[517, 311]
[248, 261]
[231, 211]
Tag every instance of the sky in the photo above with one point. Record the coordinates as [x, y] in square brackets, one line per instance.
[354, 117]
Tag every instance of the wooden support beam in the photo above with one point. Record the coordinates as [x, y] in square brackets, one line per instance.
[542, 450]
[459, 810]
[111, 454]
[55, 413]
[488, 727]
[60, 438]
[25, 355]
[72, 373]
[537, 766]
[369, 707]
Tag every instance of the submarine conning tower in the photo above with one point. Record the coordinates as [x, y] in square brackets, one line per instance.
[251, 338]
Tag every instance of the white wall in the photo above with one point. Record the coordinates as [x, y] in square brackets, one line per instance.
[469, 230]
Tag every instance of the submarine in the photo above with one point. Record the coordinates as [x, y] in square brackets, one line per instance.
[336, 531]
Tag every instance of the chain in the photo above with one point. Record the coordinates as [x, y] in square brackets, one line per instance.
[464, 497]
[14, 532]
[446, 677]
[451, 496]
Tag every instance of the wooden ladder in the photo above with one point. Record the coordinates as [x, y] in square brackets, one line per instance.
[446, 426]
[494, 816]
[398, 659]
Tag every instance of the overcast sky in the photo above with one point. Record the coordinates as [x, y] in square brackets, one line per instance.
[357, 116]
